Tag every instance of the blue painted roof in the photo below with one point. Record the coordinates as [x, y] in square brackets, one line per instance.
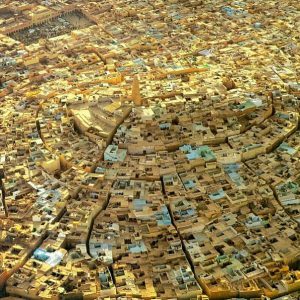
[217, 195]
[100, 170]
[284, 147]
[165, 126]
[41, 254]
[198, 152]
[189, 184]
[163, 217]
[139, 203]
[137, 248]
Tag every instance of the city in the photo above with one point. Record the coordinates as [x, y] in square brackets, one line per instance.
[149, 149]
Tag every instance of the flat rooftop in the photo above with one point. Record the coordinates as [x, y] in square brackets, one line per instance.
[57, 26]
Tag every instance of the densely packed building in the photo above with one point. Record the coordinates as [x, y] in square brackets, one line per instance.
[149, 149]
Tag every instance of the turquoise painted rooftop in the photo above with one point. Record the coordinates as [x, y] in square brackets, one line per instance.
[103, 277]
[187, 212]
[288, 187]
[162, 216]
[100, 170]
[41, 254]
[165, 126]
[189, 184]
[244, 105]
[198, 152]
[284, 147]
[282, 115]
[139, 204]
[137, 248]
[232, 171]
[113, 153]
[217, 195]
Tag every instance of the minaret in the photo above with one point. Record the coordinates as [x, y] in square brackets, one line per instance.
[136, 94]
